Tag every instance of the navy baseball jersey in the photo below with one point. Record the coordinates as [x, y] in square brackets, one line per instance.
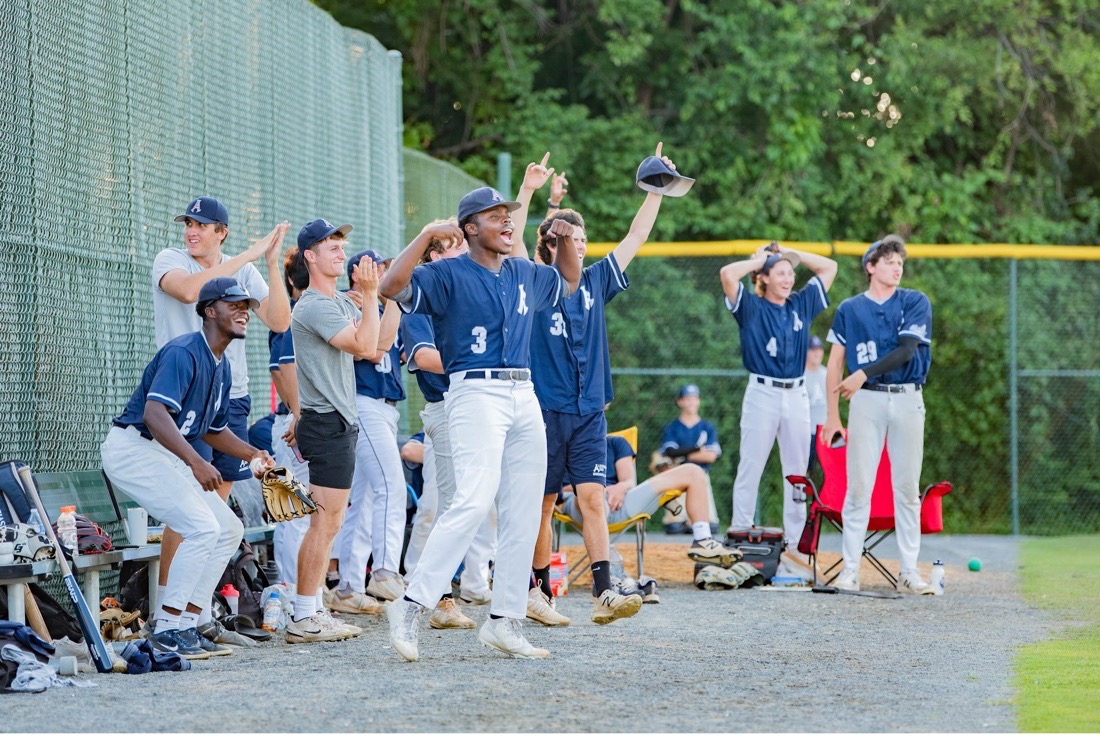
[869, 330]
[774, 337]
[483, 319]
[416, 333]
[703, 436]
[617, 448]
[569, 355]
[381, 380]
[280, 347]
[185, 377]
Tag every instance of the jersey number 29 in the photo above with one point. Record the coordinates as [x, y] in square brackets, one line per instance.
[866, 352]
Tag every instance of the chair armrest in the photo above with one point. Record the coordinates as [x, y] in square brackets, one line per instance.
[804, 482]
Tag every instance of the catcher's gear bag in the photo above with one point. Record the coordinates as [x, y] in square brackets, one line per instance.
[285, 496]
[29, 544]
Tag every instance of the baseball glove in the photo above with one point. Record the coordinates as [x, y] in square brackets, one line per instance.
[285, 496]
[713, 577]
[747, 575]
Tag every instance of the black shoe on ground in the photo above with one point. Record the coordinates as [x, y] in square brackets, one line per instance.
[192, 636]
[677, 527]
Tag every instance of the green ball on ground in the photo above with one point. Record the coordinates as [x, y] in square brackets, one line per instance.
[974, 565]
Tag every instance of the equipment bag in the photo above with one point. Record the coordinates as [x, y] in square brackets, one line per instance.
[761, 546]
[246, 575]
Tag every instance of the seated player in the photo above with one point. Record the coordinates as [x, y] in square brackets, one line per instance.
[626, 498]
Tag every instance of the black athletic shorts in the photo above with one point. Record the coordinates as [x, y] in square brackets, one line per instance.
[327, 442]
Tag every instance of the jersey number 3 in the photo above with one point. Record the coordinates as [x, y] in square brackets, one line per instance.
[866, 352]
[479, 334]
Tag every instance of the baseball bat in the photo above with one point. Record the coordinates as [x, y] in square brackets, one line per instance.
[34, 615]
[92, 638]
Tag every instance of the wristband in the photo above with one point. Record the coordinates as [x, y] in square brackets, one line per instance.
[555, 206]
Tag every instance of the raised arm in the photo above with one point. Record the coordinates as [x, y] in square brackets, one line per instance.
[185, 287]
[642, 225]
[732, 273]
[533, 180]
[274, 311]
[824, 268]
[362, 340]
[399, 274]
[566, 257]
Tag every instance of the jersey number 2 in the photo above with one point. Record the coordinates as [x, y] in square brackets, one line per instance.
[186, 427]
[479, 334]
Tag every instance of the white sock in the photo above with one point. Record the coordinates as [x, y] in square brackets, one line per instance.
[319, 600]
[304, 606]
[188, 620]
[205, 617]
[166, 621]
[160, 596]
[700, 530]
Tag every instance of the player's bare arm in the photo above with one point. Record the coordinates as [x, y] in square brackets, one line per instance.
[834, 372]
[732, 273]
[566, 257]
[642, 225]
[559, 187]
[160, 424]
[387, 329]
[628, 478]
[274, 310]
[534, 179]
[285, 378]
[230, 444]
[185, 287]
[362, 340]
[399, 274]
[822, 267]
[429, 359]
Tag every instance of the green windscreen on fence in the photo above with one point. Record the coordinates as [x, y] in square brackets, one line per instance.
[112, 117]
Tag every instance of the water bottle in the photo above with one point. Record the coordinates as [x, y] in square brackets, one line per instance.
[272, 609]
[36, 521]
[937, 577]
[66, 529]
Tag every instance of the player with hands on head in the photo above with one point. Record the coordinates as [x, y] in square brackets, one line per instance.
[774, 321]
[149, 455]
[483, 305]
[883, 337]
[572, 374]
[329, 332]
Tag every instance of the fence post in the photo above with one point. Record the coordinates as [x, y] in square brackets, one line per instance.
[504, 174]
[1013, 398]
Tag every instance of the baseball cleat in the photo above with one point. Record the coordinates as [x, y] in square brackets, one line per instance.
[713, 552]
[171, 641]
[215, 632]
[447, 615]
[387, 589]
[404, 619]
[504, 635]
[476, 599]
[540, 609]
[214, 650]
[911, 582]
[610, 606]
[353, 602]
[349, 630]
[847, 580]
[647, 588]
[313, 629]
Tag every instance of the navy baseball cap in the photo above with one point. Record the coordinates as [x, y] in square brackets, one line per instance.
[225, 289]
[368, 253]
[654, 175]
[315, 231]
[815, 343]
[479, 200]
[875, 246]
[789, 257]
[688, 389]
[206, 210]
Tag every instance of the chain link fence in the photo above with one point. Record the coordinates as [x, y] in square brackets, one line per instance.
[114, 115]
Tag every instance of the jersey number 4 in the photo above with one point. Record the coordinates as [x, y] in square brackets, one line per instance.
[772, 347]
[866, 352]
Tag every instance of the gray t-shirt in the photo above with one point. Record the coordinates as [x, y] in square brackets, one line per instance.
[326, 375]
[173, 318]
[815, 387]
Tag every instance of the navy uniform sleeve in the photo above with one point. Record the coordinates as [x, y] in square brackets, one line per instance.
[281, 350]
[812, 299]
[431, 293]
[547, 286]
[710, 442]
[918, 318]
[745, 306]
[172, 379]
[668, 437]
[838, 331]
[611, 279]
[416, 333]
[619, 448]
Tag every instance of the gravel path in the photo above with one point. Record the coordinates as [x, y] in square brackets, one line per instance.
[698, 661]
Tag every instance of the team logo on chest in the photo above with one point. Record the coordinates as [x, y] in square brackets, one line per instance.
[588, 300]
[797, 326]
[522, 300]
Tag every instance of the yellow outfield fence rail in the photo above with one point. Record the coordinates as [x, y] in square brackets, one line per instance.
[850, 248]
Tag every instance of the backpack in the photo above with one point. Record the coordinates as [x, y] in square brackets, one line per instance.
[245, 574]
[15, 504]
[59, 622]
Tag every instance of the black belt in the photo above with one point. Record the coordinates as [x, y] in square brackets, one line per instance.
[794, 383]
[391, 402]
[892, 388]
[502, 374]
[141, 434]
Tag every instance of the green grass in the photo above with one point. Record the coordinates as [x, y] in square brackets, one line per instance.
[1058, 681]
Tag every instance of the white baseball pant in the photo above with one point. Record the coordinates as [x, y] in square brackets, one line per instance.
[769, 413]
[375, 520]
[288, 534]
[498, 442]
[165, 487]
[875, 417]
[475, 573]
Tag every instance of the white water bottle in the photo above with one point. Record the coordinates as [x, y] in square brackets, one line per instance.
[272, 609]
[66, 528]
[36, 521]
[937, 577]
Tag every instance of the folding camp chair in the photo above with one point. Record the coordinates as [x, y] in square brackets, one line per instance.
[616, 530]
[828, 504]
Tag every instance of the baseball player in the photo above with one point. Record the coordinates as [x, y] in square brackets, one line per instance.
[815, 388]
[689, 438]
[883, 337]
[328, 330]
[149, 454]
[284, 374]
[572, 374]
[775, 333]
[177, 276]
[375, 522]
[483, 305]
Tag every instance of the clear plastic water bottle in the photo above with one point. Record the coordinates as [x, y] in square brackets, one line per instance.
[66, 528]
[36, 521]
[272, 609]
[937, 577]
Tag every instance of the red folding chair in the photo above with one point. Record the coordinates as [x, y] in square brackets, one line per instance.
[828, 504]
